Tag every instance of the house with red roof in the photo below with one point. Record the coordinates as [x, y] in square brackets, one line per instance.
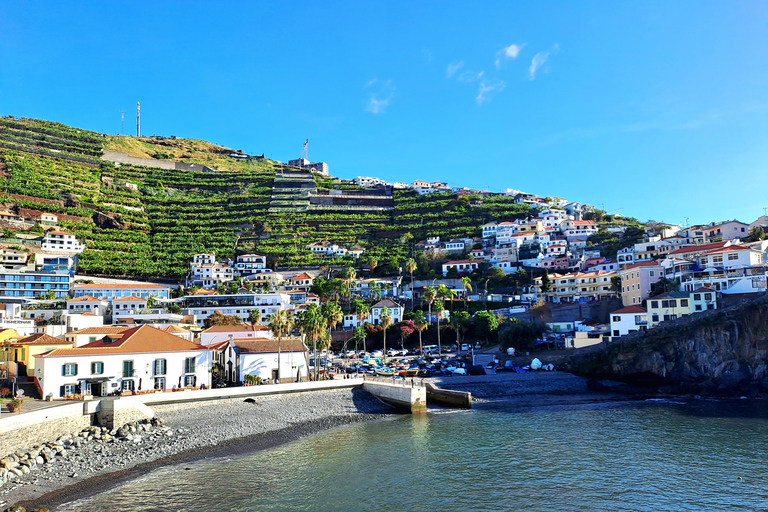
[140, 359]
[627, 320]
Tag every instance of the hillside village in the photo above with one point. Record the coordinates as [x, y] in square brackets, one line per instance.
[162, 264]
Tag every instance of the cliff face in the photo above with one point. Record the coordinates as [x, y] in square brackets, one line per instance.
[716, 353]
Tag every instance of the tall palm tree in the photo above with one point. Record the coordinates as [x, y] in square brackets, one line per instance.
[254, 317]
[375, 291]
[281, 324]
[466, 284]
[443, 292]
[410, 267]
[420, 323]
[429, 297]
[439, 308]
[349, 276]
[363, 312]
[385, 319]
[332, 315]
[313, 325]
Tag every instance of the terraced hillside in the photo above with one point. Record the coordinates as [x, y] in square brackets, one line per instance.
[149, 221]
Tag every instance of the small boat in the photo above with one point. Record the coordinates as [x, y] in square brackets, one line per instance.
[385, 373]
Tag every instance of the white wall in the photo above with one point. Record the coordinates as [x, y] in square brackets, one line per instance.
[261, 365]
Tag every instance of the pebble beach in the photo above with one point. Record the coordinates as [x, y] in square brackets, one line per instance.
[95, 459]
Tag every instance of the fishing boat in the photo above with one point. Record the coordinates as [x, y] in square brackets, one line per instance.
[385, 372]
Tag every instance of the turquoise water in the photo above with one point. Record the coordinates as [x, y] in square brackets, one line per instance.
[647, 456]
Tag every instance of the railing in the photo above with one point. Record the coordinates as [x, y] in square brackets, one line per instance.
[408, 382]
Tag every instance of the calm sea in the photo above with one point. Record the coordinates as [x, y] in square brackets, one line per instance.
[647, 456]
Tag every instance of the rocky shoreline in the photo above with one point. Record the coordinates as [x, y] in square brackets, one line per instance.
[96, 459]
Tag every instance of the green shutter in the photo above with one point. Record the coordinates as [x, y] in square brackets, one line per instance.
[62, 392]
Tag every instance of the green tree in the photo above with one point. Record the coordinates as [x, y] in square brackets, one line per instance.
[521, 334]
[616, 284]
[428, 297]
[545, 282]
[460, 321]
[332, 315]
[466, 285]
[496, 274]
[443, 292]
[385, 319]
[438, 308]
[254, 317]
[420, 323]
[486, 324]
[216, 318]
[49, 295]
[756, 234]
[173, 308]
[281, 324]
[410, 267]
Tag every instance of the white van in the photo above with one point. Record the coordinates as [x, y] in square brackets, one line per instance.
[430, 349]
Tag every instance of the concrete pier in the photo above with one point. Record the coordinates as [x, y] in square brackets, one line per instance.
[446, 397]
[406, 396]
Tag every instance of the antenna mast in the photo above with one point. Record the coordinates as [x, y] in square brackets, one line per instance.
[122, 122]
[138, 119]
[305, 151]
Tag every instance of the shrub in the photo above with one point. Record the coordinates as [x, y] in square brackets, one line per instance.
[5, 392]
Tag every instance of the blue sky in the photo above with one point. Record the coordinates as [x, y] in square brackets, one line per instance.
[652, 109]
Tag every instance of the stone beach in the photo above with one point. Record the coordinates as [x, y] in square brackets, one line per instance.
[95, 458]
[91, 460]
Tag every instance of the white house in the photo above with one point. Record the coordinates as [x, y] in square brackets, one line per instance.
[454, 246]
[128, 305]
[219, 333]
[139, 359]
[374, 318]
[259, 358]
[628, 319]
[468, 266]
[61, 241]
[247, 264]
[87, 304]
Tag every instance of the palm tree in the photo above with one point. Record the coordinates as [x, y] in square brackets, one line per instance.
[420, 323]
[349, 276]
[313, 324]
[363, 311]
[254, 317]
[375, 291]
[281, 324]
[386, 320]
[410, 267]
[332, 315]
[466, 284]
[439, 308]
[443, 292]
[429, 297]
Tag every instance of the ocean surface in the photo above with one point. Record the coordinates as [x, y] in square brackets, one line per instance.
[635, 456]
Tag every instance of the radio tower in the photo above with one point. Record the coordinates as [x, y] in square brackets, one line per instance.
[305, 151]
[138, 119]
[122, 122]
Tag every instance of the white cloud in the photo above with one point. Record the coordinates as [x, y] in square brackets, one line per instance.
[488, 90]
[379, 101]
[453, 68]
[371, 82]
[470, 76]
[427, 54]
[508, 52]
[538, 60]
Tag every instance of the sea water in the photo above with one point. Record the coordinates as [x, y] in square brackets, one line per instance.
[637, 456]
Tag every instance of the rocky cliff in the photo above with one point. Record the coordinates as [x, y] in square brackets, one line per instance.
[723, 353]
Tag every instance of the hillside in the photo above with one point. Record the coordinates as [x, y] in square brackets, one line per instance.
[141, 220]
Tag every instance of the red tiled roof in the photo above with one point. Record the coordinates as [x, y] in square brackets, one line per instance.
[698, 248]
[642, 264]
[729, 249]
[130, 298]
[84, 298]
[268, 346]
[303, 275]
[237, 328]
[41, 338]
[108, 329]
[136, 340]
[629, 309]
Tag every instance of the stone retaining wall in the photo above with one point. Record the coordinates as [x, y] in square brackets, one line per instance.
[37, 427]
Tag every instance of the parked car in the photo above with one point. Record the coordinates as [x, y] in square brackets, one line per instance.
[466, 347]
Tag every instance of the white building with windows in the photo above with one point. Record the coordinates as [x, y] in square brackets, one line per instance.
[110, 291]
[627, 320]
[61, 241]
[374, 318]
[138, 359]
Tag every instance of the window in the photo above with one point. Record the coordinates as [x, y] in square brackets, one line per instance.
[189, 365]
[127, 369]
[91, 339]
[717, 260]
[665, 303]
[707, 296]
[189, 381]
[127, 385]
[69, 369]
[68, 390]
[696, 296]
[683, 303]
[616, 332]
[97, 368]
[617, 318]
[160, 383]
[652, 273]
[655, 317]
[733, 256]
[654, 304]
[698, 307]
